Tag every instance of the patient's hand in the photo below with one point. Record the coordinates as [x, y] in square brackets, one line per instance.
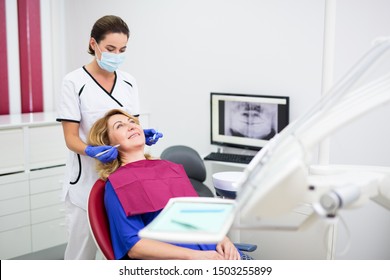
[207, 255]
[227, 249]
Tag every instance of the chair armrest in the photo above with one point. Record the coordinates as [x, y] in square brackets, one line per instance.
[245, 247]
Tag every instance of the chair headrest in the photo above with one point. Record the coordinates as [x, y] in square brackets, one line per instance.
[189, 158]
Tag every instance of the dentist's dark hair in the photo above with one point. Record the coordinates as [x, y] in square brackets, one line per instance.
[106, 25]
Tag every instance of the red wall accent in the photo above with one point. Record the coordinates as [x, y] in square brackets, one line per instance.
[30, 55]
[4, 95]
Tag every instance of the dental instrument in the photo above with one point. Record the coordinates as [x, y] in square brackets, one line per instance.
[154, 136]
[106, 151]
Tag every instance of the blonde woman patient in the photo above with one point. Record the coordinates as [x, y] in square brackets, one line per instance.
[138, 188]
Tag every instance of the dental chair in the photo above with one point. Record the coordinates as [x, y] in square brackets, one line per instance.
[100, 228]
[193, 165]
[98, 220]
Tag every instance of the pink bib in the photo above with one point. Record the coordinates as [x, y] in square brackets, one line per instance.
[146, 186]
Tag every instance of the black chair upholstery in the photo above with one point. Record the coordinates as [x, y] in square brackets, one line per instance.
[193, 165]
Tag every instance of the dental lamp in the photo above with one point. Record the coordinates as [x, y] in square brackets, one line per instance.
[280, 176]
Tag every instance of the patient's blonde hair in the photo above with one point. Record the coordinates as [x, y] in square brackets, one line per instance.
[98, 136]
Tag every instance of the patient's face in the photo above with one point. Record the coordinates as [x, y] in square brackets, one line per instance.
[126, 132]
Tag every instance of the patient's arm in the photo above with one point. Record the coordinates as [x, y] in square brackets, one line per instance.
[147, 249]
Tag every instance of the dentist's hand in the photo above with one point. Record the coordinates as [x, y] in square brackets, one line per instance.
[152, 136]
[103, 153]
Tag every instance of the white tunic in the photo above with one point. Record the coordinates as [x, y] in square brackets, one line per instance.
[83, 101]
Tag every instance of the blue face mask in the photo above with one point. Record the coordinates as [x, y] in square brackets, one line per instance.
[110, 61]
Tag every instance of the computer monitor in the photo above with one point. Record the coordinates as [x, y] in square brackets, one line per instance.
[247, 121]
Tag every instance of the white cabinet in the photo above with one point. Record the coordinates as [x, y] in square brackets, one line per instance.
[14, 215]
[47, 212]
[46, 146]
[31, 170]
[15, 242]
[12, 150]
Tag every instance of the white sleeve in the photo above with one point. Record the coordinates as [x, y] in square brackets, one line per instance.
[69, 104]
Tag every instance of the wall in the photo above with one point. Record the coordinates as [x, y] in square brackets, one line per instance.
[180, 51]
[363, 142]
[358, 24]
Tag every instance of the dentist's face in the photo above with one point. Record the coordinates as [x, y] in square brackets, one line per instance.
[126, 132]
[254, 120]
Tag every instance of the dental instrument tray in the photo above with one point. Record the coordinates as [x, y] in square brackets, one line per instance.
[192, 220]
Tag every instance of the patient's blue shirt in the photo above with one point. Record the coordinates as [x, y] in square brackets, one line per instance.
[124, 229]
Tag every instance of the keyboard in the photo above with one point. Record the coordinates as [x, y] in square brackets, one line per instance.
[236, 158]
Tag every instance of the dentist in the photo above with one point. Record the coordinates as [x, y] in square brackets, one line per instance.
[87, 94]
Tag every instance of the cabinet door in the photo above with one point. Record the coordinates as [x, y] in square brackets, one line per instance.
[48, 234]
[48, 213]
[15, 230]
[15, 242]
[46, 146]
[14, 185]
[15, 205]
[11, 150]
[45, 199]
[47, 179]
[13, 221]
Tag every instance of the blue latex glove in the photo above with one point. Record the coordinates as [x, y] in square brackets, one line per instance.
[103, 153]
[152, 136]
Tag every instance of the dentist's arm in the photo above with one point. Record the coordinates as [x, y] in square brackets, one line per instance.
[72, 137]
[75, 144]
